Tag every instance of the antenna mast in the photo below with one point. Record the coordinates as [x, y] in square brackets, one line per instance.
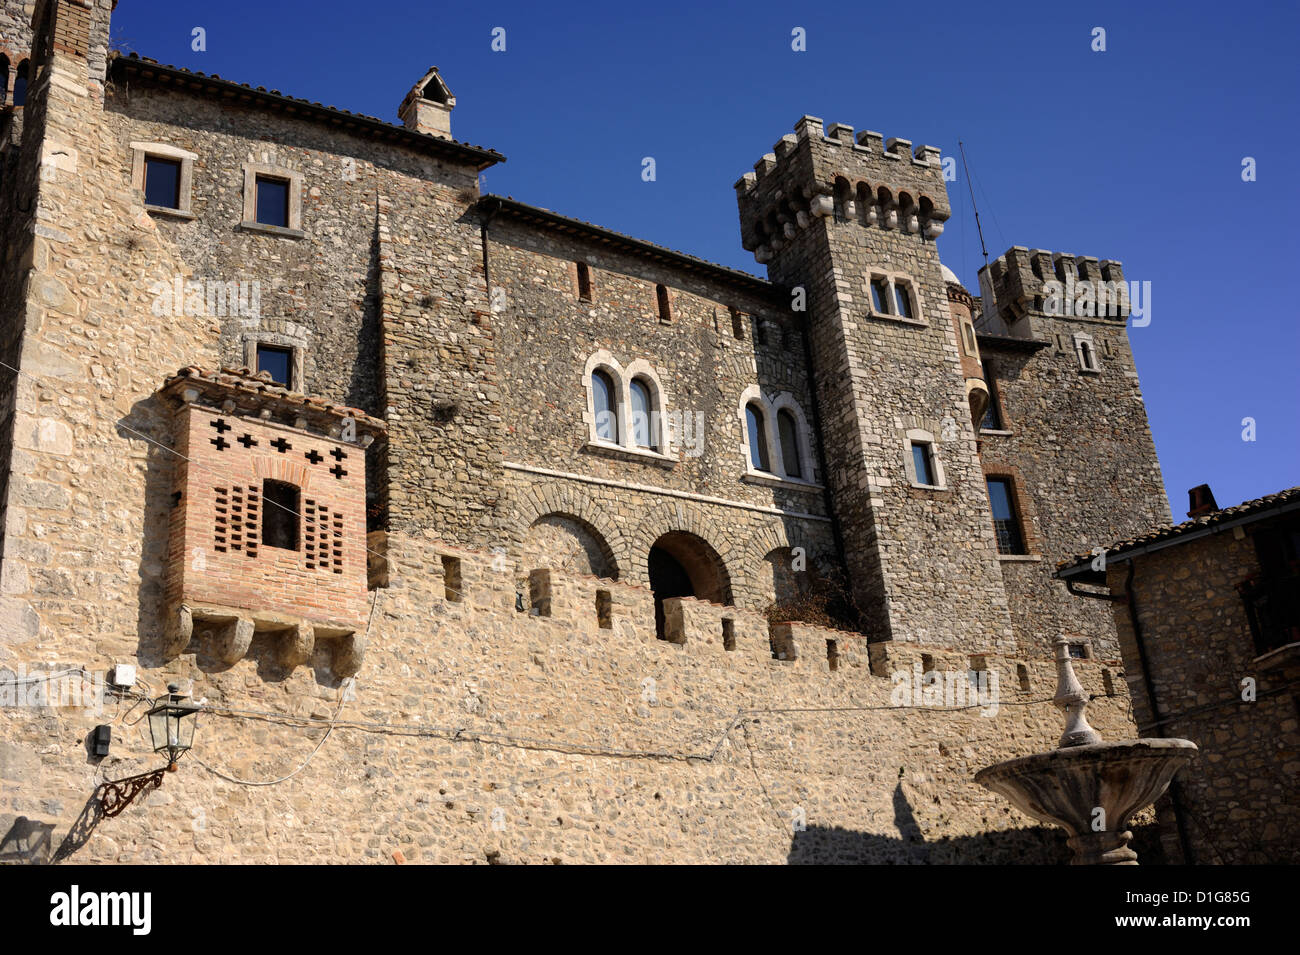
[971, 188]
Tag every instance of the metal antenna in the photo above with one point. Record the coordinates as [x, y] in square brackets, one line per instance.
[971, 188]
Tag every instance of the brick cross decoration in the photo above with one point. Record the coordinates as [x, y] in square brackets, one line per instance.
[247, 440]
[220, 425]
[313, 456]
[338, 471]
[220, 442]
[281, 445]
[338, 453]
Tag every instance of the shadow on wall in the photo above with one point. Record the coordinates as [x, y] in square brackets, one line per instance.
[149, 423]
[1041, 845]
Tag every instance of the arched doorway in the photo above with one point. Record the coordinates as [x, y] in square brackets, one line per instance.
[684, 565]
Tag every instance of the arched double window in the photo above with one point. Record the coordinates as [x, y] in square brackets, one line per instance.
[625, 405]
[776, 436]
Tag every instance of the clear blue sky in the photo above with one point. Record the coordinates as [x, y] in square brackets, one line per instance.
[1134, 153]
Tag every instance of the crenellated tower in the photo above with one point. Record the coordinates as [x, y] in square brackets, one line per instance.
[852, 222]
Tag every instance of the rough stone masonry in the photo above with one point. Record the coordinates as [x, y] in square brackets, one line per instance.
[571, 494]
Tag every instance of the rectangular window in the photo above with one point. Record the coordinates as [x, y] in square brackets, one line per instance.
[665, 309]
[1006, 523]
[903, 301]
[584, 282]
[921, 463]
[451, 582]
[162, 182]
[879, 297]
[278, 361]
[737, 325]
[604, 610]
[273, 202]
[1078, 651]
[279, 515]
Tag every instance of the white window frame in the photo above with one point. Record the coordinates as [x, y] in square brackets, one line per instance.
[295, 179]
[778, 476]
[1081, 339]
[918, 436]
[140, 151]
[893, 281]
[625, 446]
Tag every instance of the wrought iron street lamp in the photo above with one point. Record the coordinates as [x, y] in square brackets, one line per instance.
[171, 725]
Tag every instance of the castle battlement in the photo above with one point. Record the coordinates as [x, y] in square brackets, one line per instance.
[1037, 284]
[819, 172]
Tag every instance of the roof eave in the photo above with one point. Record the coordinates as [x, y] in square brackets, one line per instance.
[187, 80]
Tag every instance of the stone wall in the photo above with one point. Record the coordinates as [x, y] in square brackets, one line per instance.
[1239, 801]
[478, 733]
[721, 343]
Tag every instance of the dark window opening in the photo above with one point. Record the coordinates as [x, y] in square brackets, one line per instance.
[1022, 674]
[903, 300]
[757, 438]
[833, 654]
[789, 434]
[922, 464]
[728, 633]
[451, 582]
[665, 310]
[20, 84]
[604, 610]
[1078, 651]
[584, 282]
[1006, 523]
[280, 515]
[879, 297]
[162, 182]
[737, 326]
[278, 361]
[668, 579]
[273, 202]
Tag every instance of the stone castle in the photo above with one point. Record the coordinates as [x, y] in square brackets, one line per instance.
[526, 515]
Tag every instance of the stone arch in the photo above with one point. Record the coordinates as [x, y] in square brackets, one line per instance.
[568, 544]
[680, 516]
[558, 500]
[753, 579]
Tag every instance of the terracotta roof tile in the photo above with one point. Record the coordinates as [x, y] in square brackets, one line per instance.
[1245, 509]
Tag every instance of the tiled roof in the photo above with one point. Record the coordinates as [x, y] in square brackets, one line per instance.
[503, 205]
[1258, 507]
[238, 383]
[176, 77]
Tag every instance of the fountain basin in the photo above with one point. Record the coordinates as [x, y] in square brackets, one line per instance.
[1082, 788]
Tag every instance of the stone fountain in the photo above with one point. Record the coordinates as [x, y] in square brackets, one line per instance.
[1087, 787]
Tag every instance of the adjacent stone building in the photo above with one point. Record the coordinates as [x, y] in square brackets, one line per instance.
[1208, 614]
[560, 487]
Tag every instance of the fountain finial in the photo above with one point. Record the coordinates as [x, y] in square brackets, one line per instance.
[1071, 698]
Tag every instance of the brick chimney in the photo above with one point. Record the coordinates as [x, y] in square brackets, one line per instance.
[1201, 501]
[427, 107]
